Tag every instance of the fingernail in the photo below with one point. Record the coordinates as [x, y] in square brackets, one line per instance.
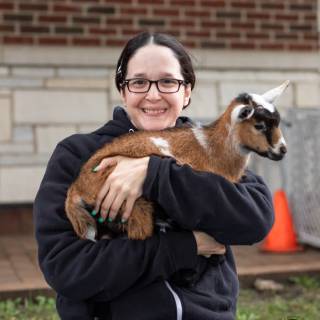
[100, 220]
[123, 221]
[93, 212]
[95, 169]
[110, 219]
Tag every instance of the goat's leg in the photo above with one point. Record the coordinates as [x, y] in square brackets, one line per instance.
[140, 222]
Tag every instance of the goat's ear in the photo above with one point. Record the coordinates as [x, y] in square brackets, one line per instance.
[271, 95]
[245, 113]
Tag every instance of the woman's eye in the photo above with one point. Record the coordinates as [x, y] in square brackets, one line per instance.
[139, 82]
[168, 82]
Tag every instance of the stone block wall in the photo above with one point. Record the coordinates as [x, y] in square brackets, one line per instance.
[43, 102]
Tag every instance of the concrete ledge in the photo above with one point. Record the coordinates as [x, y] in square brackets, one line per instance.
[215, 59]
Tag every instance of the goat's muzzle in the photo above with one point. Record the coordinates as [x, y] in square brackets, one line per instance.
[278, 154]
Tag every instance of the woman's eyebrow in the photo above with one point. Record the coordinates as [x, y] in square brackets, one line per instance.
[165, 74]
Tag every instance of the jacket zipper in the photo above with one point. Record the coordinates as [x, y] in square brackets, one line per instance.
[176, 300]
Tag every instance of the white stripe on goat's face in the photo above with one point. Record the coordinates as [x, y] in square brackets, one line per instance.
[162, 145]
[201, 138]
[261, 102]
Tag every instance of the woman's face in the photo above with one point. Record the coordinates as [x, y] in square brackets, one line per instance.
[154, 110]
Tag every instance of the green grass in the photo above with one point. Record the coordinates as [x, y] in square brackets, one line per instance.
[300, 300]
[40, 308]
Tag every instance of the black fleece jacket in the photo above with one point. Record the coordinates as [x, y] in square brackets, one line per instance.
[125, 279]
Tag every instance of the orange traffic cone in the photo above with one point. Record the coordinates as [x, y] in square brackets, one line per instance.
[282, 237]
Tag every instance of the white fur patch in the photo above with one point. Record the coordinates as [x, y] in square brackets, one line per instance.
[162, 144]
[200, 136]
[91, 233]
[279, 144]
[259, 100]
[235, 113]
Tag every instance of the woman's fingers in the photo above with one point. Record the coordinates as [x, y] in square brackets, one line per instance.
[101, 195]
[106, 162]
[128, 208]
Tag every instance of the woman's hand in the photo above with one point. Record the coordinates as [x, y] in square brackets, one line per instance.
[124, 184]
[207, 245]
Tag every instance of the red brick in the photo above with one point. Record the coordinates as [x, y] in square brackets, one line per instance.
[133, 11]
[213, 24]
[197, 13]
[151, 2]
[272, 26]
[66, 8]
[7, 28]
[86, 41]
[213, 3]
[310, 17]
[53, 41]
[300, 27]
[118, 1]
[131, 32]
[311, 36]
[182, 2]
[166, 12]
[258, 15]
[213, 44]
[287, 17]
[18, 17]
[242, 25]
[115, 42]
[50, 18]
[228, 14]
[189, 44]
[230, 34]
[243, 4]
[33, 7]
[6, 6]
[119, 21]
[17, 40]
[151, 22]
[284, 35]
[268, 5]
[101, 10]
[34, 29]
[301, 47]
[198, 34]
[302, 6]
[257, 35]
[102, 31]
[272, 46]
[86, 20]
[242, 45]
[182, 23]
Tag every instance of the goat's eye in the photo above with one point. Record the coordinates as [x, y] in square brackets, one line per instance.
[260, 126]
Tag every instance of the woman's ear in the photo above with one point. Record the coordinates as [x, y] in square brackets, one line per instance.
[123, 96]
[187, 95]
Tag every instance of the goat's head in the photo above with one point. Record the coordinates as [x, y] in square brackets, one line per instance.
[255, 122]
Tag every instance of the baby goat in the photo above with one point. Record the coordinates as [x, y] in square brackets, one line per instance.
[249, 124]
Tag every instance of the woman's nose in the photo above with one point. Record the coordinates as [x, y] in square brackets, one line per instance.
[153, 93]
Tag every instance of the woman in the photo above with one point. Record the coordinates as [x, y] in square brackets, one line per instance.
[123, 279]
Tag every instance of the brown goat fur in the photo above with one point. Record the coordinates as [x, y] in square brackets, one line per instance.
[222, 154]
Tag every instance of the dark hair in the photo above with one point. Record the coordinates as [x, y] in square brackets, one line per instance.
[161, 39]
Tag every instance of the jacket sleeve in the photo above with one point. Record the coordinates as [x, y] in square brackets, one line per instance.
[82, 269]
[233, 213]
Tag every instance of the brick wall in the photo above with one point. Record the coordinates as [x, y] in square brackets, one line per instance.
[289, 25]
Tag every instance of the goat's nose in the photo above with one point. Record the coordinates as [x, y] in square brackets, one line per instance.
[283, 149]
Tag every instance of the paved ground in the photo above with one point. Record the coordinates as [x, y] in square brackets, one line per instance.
[20, 275]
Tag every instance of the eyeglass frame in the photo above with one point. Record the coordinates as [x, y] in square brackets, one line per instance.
[126, 82]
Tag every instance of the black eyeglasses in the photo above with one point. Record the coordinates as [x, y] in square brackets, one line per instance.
[166, 85]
